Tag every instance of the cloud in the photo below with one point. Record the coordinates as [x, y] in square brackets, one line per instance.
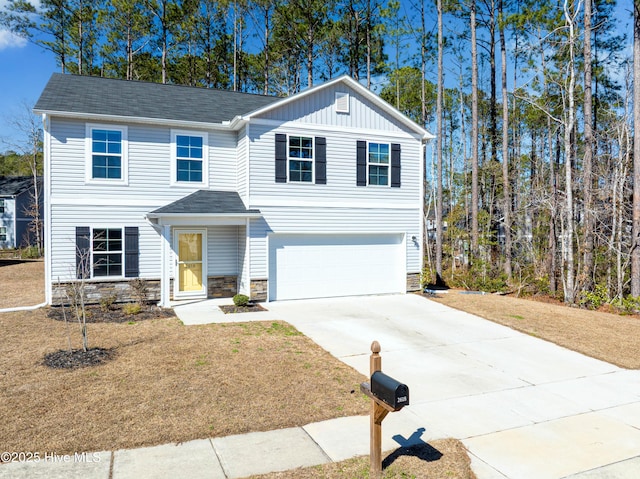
[10, 40]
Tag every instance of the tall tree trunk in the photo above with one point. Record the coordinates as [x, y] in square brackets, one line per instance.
[568, 266]
[589, 220]
[505, 147]
[439, 146]
[474, 132]
[635, 244]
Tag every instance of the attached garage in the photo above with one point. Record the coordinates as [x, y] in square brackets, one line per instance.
[326, 265]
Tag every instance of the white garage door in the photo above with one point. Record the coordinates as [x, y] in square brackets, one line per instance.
[320, 266]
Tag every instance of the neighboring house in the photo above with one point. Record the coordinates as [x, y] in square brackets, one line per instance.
[16, 200]
[208, 193]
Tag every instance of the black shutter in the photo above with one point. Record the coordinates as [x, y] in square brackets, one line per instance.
[83, 252]
[131, 252]
[281, 158]
[395, 165]
[321, 161]
[361, 161]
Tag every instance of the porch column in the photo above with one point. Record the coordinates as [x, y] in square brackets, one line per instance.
[165, 289]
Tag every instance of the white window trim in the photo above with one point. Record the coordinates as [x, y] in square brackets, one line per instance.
[388, 185]
[122, 253]
[174, 159]
[312, 160]
[124, 180]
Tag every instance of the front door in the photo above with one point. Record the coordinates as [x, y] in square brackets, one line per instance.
[191, 264]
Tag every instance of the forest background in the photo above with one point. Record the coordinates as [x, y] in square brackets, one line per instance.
[529, 184]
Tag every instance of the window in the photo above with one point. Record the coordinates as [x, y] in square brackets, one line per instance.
[107, 154]
[378, 164]
[3, 233]
[107, 252]
[189, 158]
[189, 153]
[300, 159]
[1, 205]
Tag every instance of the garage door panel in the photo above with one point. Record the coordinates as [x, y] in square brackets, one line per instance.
[309, 266]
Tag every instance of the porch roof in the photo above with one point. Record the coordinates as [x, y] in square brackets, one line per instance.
[206, 204]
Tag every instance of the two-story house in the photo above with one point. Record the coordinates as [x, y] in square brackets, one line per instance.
[208, 193]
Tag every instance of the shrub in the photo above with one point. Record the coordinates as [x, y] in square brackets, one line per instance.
[30, 252]
[139, 290]
[131, 308]
[240, 300]
[596, 298]
[106, 302]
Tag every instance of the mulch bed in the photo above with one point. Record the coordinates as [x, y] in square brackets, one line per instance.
[77, 358]
[249, 308]
[115, 314]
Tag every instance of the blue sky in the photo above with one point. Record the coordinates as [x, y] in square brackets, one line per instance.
[25, 69]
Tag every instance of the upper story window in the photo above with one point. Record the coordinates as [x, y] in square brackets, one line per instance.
[189, 157]
[1, 205]
[301, 159]
[378, 164]
[107, 154]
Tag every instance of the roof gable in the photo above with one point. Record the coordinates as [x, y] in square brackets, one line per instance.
[318, 105]
[108, 97]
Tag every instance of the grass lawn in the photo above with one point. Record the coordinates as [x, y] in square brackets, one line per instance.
[172, 383]
[610, 337]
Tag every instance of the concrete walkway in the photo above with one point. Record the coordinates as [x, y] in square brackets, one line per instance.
[524, 408]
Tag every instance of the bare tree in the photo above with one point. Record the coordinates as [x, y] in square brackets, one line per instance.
[439, 147]
[474, 131]
[505, 145]
[635, 246]
[29, 146]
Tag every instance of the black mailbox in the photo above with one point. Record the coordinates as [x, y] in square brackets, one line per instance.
[387, 389]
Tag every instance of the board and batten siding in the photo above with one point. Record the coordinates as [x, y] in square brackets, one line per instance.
[319, 108]
[328, 220]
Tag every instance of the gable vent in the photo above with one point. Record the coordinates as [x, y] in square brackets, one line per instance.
[342, 102]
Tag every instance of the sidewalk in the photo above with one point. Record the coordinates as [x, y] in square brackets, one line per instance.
[228, 457]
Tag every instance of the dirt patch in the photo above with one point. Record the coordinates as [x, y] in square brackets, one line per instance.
[441, 459]
[249, 308]
[77, 358]
[610, 337]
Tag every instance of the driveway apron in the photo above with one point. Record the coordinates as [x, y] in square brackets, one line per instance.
[523, 407]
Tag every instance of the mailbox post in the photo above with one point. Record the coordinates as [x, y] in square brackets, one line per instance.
[387, 395]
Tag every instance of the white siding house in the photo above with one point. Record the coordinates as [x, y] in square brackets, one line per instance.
[208, 193]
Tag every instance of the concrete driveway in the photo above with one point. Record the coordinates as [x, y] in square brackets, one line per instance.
[523, 407]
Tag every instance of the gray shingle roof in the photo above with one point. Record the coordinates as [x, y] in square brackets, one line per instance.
[112, 97]
[14, 185]
[206, 202]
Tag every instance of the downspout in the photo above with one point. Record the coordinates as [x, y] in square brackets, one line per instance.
[48, 286]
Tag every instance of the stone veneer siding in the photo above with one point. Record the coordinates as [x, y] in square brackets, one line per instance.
[258, 290]
[96, 290]
[222, 286]
[413, 281]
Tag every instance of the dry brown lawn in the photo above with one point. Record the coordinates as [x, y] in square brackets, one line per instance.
[606, 336]
[21, 283]
[171, 383]
[441, 459]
